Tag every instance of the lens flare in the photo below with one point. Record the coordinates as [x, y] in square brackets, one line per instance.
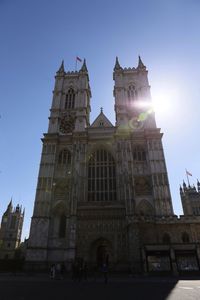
[163, 100]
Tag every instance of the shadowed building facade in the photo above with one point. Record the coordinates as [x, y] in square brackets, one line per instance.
[103, 193]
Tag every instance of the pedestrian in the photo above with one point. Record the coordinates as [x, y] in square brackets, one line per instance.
[62, 271]
[58, 271]
[104, 270]
[80, 270]
[95, 272]
[52, 271]
[85, 270]
[75, 270]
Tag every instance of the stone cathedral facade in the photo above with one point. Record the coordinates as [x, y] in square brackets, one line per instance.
[103, 193]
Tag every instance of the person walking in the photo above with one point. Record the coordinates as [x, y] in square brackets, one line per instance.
[105, 272]
[58, 271]
[52, 271]
[85, 270]
[62, 271]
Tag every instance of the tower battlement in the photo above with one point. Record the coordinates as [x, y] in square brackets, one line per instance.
[190, 197]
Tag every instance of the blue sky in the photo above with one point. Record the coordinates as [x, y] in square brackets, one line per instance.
[36, 35]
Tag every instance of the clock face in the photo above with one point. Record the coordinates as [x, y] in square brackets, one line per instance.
[67, 124]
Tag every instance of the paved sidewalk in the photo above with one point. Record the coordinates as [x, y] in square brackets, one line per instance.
[112, 278]
[41, 287]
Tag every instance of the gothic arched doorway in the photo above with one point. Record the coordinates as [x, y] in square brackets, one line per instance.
[102, 255]
[101, 252]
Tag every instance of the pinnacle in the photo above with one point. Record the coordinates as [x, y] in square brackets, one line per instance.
[61, 69]
[84, 67]
[140, 64]
[117, 65]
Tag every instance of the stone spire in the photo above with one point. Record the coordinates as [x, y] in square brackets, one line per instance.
[117, 65]
[84, 67]
[181, 190]
[61, 69]
[9, 207]
[140, 66]
[198, 186]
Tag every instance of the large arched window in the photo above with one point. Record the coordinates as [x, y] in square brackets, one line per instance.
[70, 99]
[64, 157]
[101, 177]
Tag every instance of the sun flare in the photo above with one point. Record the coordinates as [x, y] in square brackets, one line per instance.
[164, 100]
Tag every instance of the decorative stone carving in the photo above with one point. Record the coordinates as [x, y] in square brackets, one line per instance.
[145, 208]
[143, 185]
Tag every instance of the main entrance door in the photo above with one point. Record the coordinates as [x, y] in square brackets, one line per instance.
[101, 252]
[102, 255]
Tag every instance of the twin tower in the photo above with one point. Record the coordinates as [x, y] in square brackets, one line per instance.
[96, 181]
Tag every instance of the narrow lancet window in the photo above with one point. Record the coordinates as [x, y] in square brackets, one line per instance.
[70, 99]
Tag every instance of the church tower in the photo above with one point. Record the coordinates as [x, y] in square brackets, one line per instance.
[54, 215]
[132, 97]
[70, 111]
[141, 139]
[10, 231]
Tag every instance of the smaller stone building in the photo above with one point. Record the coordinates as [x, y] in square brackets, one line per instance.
[10, 231]
[190, 197]
[170, 243]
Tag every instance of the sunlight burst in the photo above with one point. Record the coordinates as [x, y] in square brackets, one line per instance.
[163, 101]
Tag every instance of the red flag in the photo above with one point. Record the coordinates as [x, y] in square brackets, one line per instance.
[188, 173]
[79, 59]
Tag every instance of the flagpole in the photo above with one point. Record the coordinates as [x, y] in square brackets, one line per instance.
[77, 59]
[76, 64]
[187, 177]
